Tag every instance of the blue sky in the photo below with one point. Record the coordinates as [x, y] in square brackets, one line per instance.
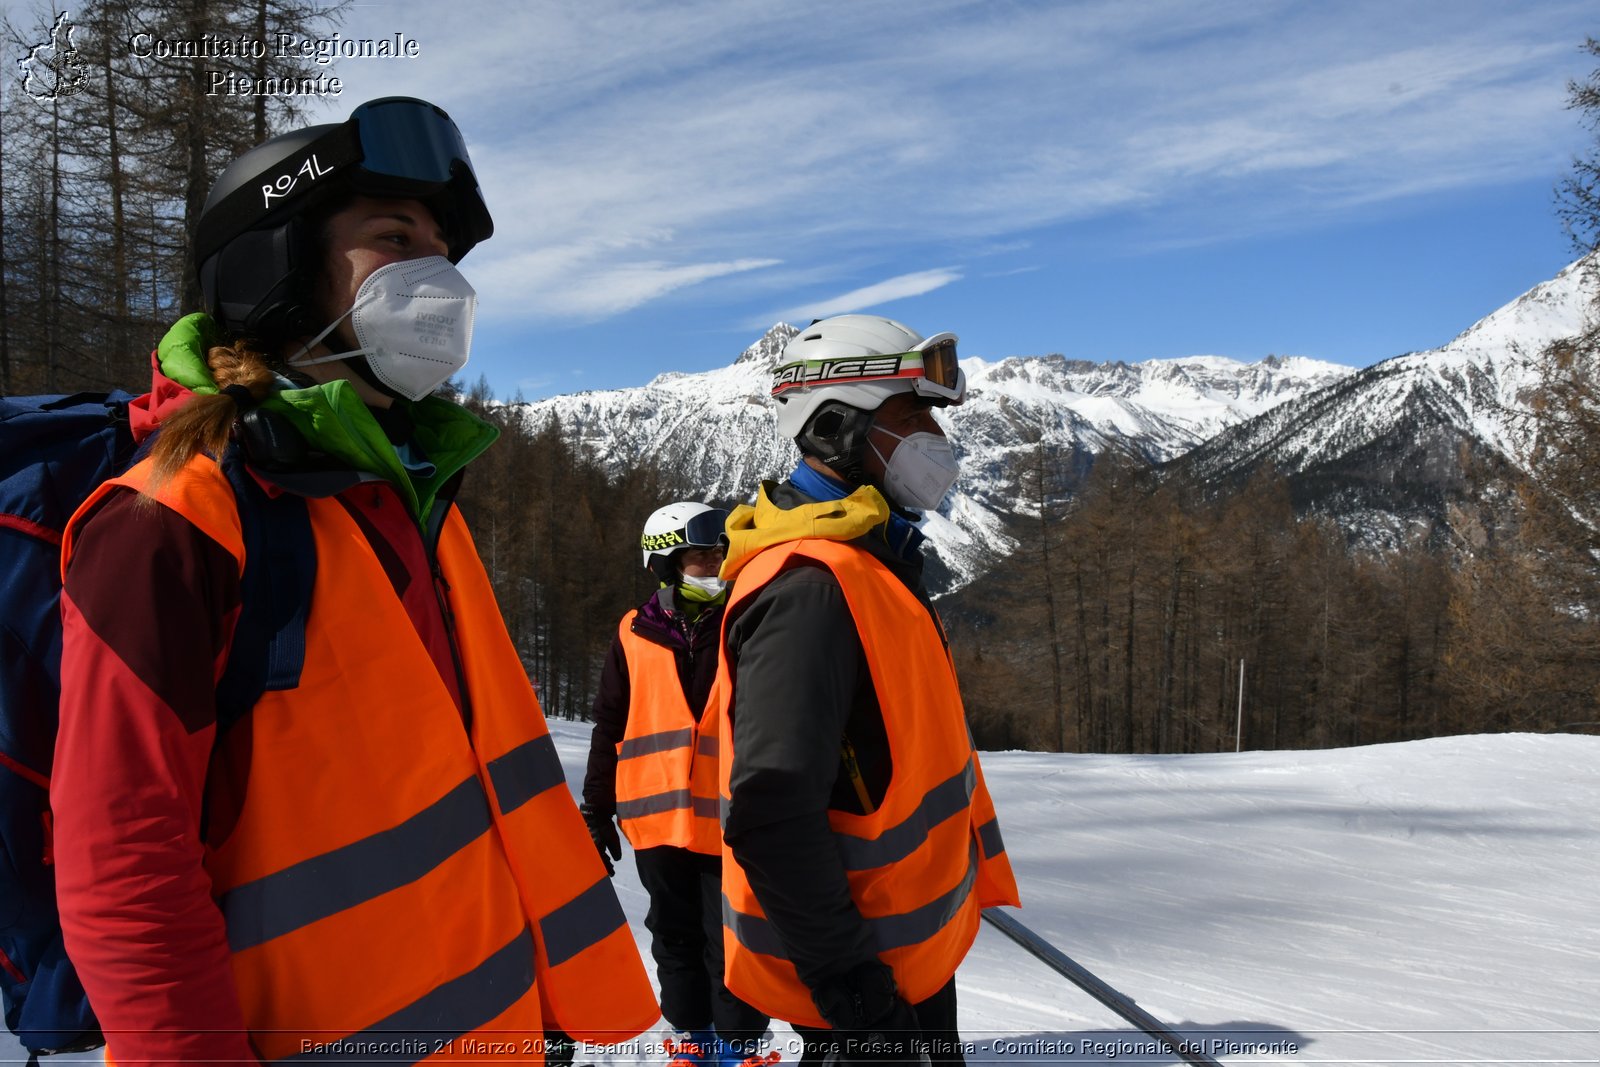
[1110, 180]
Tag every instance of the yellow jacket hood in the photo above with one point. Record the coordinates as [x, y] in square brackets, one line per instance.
[753, 528]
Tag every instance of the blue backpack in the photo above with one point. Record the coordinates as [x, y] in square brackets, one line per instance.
[54, 452]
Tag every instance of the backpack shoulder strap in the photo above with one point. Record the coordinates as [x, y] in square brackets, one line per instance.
[280, 569]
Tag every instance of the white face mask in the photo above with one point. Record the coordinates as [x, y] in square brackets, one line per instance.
[708, 584]
[413, 322]
[921, 470]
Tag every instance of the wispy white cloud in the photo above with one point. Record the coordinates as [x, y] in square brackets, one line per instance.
[570, 283]
[867, 296]
[630, 149]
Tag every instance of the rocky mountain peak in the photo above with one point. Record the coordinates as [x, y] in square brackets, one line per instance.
[766, 351]
[1390, 451]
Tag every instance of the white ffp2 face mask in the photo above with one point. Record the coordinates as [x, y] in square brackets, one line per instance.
[920, 471]
[709, 584]
[413, 322]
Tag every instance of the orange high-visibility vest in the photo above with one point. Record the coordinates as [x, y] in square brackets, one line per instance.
[391, 875]
[667, 759]
[923, 864]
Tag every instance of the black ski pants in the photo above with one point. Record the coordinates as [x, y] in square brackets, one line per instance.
[685, 924]
[936, 1017]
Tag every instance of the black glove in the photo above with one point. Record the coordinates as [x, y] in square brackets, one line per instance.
[603, 831]
[871, 1023]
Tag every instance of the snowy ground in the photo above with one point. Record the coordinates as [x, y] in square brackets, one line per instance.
[1424, 903]
[1432, 902]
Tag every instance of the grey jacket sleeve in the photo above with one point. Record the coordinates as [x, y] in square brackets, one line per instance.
[797, 664]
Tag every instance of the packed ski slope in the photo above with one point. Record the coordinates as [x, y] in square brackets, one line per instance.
[1424, 903]
[1431, 902]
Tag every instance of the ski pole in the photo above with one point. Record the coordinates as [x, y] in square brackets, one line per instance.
[1081, 977]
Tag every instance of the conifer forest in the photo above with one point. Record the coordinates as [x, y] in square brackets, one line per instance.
[1139, 613]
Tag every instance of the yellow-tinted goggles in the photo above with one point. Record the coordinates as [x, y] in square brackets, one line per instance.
[939, 364]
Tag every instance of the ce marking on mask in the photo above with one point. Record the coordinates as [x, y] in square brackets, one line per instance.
[435, 329]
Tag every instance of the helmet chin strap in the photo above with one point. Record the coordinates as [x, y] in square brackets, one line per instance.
[352, 357]
[836, 435]
[363, 370]
[849, 468]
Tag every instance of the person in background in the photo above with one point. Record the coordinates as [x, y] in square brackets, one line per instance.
[860, 840]
[379, 856]
[652, 765]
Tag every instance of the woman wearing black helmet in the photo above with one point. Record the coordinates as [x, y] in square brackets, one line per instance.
[372, 850]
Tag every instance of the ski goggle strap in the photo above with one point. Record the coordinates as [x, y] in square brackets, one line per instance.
[704, 530]
[932, 370]
[396, 146]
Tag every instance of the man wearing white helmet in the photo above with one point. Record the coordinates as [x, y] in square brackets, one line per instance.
[652, 765]
[860, 840]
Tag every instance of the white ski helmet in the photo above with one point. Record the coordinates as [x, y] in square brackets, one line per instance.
[680, 525]
[836, 372]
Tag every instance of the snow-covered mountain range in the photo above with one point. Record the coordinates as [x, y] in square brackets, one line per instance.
[1382, 450]
[1388, 450]
[716, 427]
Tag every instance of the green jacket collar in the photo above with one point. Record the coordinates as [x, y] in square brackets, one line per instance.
[334, 420]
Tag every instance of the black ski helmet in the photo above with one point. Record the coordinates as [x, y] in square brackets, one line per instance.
[255, 246]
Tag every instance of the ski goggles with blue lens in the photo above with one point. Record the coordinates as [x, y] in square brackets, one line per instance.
[931, 369]
[705, 530]
[409, 148]
[409, 140]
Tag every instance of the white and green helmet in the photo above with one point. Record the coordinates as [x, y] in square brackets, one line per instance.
[676, 526]
[836, 372]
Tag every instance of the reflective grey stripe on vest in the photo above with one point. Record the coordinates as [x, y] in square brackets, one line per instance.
[269, 907]
[675, 800]
[588, 918]
[948, 798]
[654, 804]
[912, 927]
[525, 772]
[706, 807]
[448, 1011]
[754, 932]
[989, 835]
[707, 745]
[650, 744]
